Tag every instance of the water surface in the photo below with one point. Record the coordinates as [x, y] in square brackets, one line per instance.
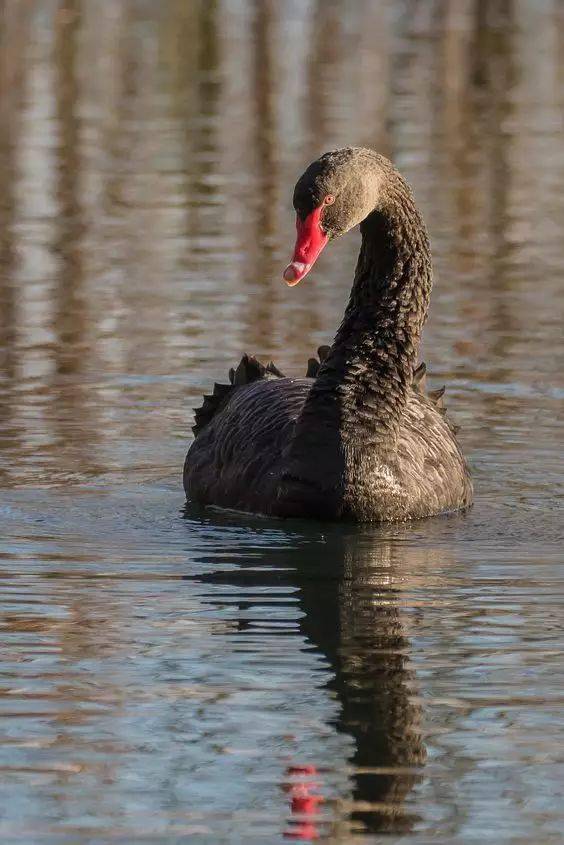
[170, 675]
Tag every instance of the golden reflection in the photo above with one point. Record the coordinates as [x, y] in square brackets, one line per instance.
[147, 162]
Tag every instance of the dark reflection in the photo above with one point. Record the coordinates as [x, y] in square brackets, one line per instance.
[14, 23]
[119, 137]
[323, 56]
[200, 82]
[259, 316]
[352, 614]
[495, 75]
[265, 126]
[70, 319]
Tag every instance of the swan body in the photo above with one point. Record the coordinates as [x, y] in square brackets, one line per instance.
[358, 438]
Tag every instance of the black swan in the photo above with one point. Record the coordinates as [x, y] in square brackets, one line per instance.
[358, 438]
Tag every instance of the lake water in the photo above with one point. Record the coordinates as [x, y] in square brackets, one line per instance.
[172, 675]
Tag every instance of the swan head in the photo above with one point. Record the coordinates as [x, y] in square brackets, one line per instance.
[336, 192]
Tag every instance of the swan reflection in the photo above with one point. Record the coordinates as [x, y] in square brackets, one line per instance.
[349, 584]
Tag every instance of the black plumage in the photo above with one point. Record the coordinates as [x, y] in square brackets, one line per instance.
[358, 438]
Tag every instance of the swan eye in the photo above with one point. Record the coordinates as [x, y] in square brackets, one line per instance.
[329, 199]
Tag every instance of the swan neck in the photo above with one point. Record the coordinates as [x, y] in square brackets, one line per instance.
[365, 381]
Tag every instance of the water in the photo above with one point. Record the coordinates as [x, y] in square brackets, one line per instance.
[169, 675]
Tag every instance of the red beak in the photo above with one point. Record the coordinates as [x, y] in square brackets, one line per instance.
[309, 242]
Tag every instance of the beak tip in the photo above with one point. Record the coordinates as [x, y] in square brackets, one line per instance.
[288, 275]
[294, 272]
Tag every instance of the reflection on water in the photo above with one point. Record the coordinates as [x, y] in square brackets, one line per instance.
[166, 675]
[349, 597]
